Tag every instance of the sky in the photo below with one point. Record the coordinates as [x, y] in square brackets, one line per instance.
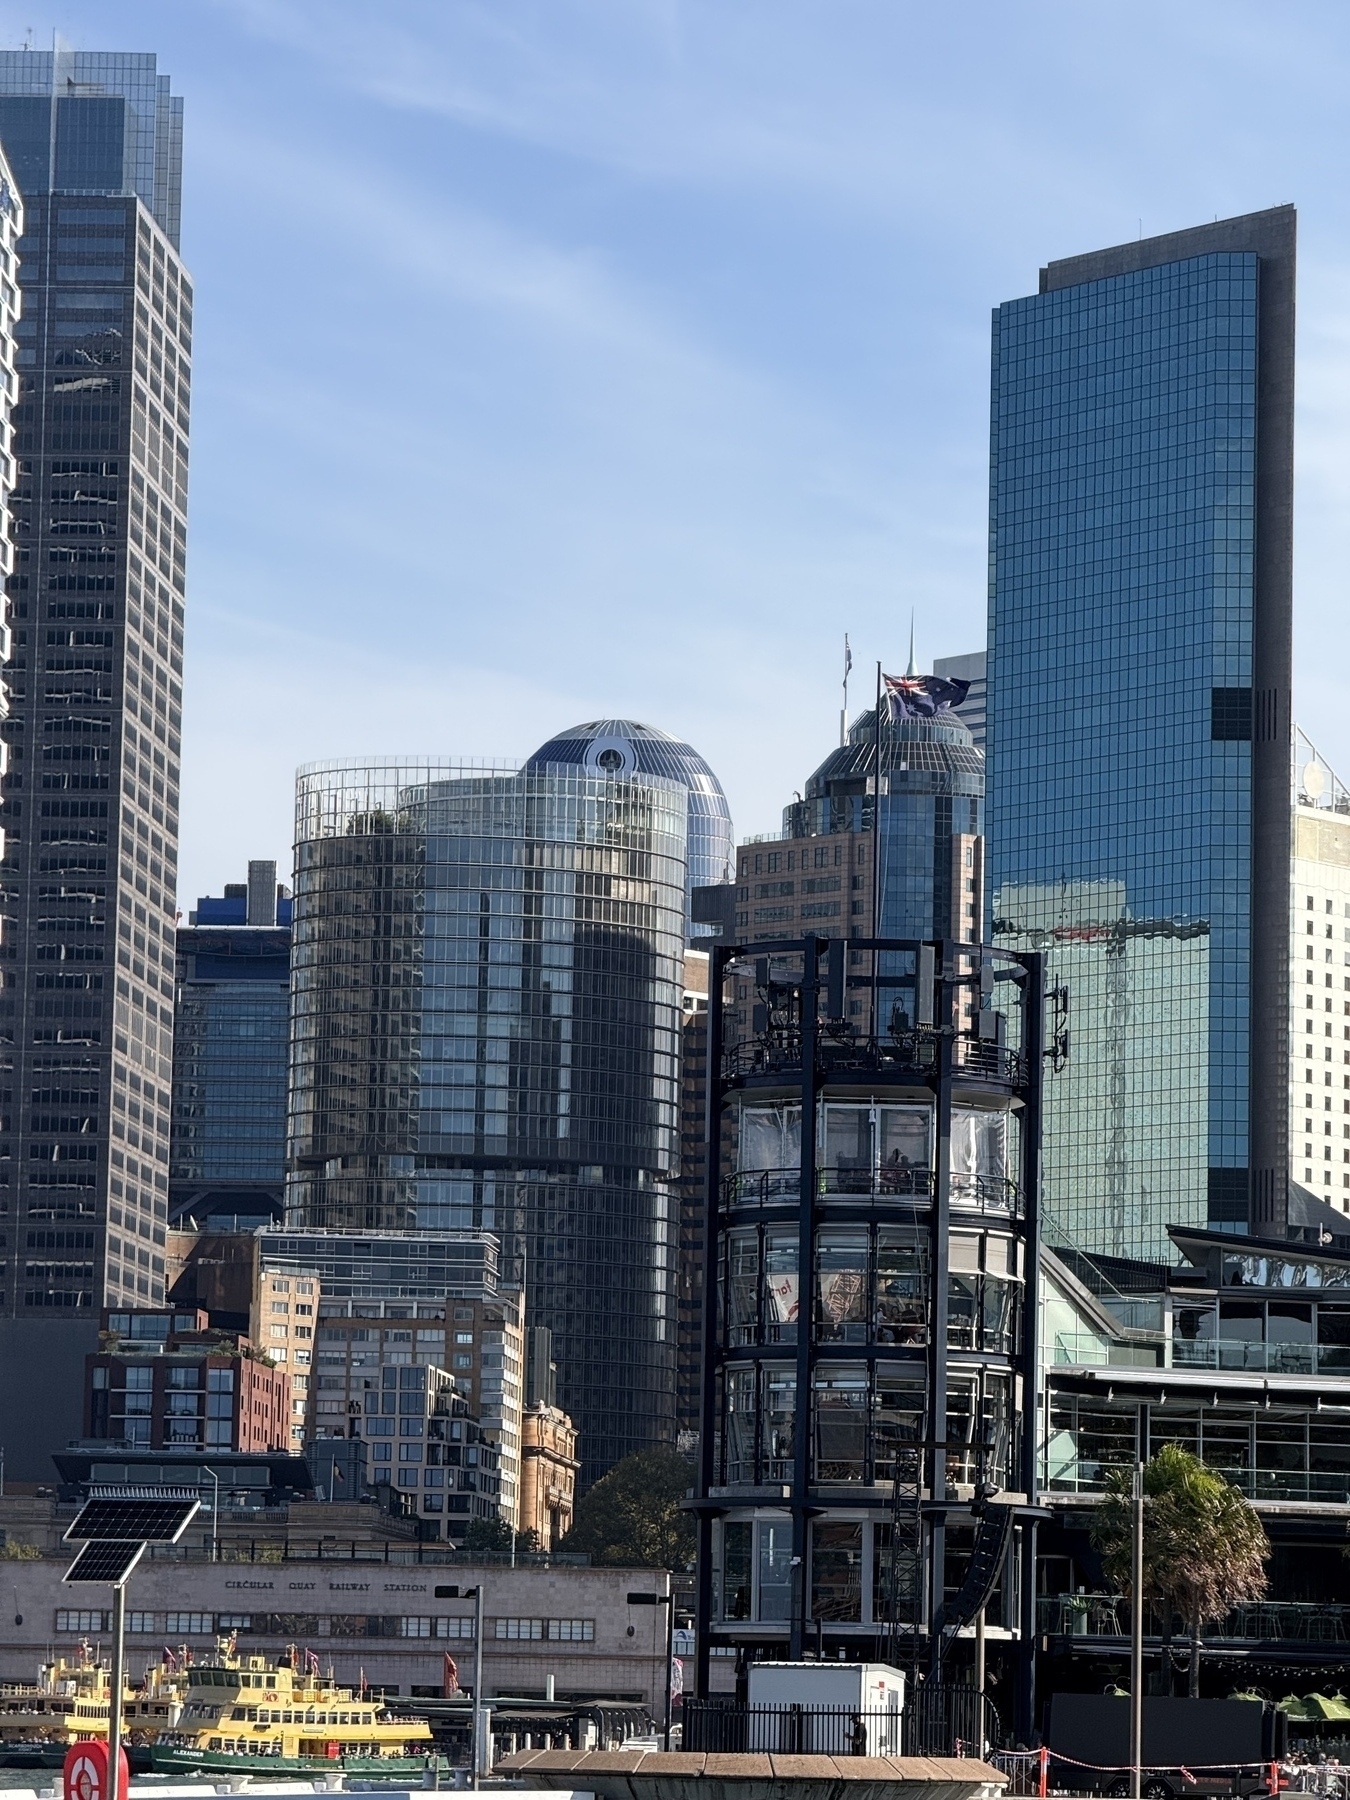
[566, 359]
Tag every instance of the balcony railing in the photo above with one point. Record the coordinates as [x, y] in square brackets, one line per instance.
[1318, 1487]
[842, 1049]
[1265, 1621]
[1261, 1358]
[779, 1187]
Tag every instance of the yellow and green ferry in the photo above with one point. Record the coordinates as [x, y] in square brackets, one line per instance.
[244, 1715]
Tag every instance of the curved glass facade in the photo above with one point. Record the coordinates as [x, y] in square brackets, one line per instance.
[486, 1015]
[932, 811]
[622, 745]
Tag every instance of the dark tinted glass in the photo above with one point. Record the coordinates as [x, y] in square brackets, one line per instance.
[89, 139]
[25, 131]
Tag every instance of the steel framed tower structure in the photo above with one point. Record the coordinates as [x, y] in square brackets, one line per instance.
[867, 1470]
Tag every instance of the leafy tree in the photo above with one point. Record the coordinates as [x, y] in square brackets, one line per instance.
[632, 1515]
[1204, 1546]
[493, 1537]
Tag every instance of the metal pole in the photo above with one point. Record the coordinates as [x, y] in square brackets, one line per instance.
[804, 1416]
[477, 1680]
[877, 893]
[1137, 1635]
[215, 1514]
[1033, 1051]
[939, 1263]
[712, 1185]
[670, 1662]
[979, 1651]
[115, 1696]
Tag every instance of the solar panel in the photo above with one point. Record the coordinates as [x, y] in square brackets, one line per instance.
[108, 1560]
[141, 1521]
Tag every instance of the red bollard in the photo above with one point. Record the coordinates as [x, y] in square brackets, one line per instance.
[1043, 1783]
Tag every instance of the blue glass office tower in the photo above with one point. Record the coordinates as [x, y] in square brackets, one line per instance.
[227, 1162]
[1139, 718]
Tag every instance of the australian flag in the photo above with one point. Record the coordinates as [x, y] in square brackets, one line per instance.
[922, 696]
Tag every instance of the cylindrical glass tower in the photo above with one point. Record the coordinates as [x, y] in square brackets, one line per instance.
[622, 745]
[866, 1461]
[931, 847]
[486, 1015]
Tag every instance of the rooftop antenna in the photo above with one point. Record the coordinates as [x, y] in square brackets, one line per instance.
[911, 670]
[843, 715]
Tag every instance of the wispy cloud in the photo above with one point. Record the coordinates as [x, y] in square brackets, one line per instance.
[569, 357]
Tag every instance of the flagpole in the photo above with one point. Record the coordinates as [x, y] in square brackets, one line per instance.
[876, 852]
[843, 715]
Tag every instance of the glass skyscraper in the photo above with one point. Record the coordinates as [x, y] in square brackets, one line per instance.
[1139, 718]
[485, 1036]
[91, 802]
[90, 799]
[227, 1169]
[620, 745]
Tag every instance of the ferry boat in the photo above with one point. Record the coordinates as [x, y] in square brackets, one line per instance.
[69, 1700]
[244, 1715]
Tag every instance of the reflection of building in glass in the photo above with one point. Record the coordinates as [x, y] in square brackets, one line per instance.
[867, 1349]
[618, 746]
[1139, 728]
[485, 1036]
[1139, 997]
[228, 1154]
[1319, 980]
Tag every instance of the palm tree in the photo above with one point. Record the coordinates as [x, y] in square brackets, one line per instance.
[1205, 1549]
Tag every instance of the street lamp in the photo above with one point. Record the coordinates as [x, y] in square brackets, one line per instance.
[668, 1601]
[114, 1526]
[215, 1512]
[479, 1710]
[1137, 1626]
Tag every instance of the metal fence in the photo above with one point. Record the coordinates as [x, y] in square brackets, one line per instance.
[936, 1720]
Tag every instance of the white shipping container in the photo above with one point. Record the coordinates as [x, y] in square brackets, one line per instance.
[856, 1708]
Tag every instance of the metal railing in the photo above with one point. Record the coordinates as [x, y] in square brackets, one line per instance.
[1321, 1487]
[779, 1187]
[1262, 1358]
[1263, 1621]
[841, 1048]
[936, 1720]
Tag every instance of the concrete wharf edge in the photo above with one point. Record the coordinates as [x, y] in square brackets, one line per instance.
[698, 1775]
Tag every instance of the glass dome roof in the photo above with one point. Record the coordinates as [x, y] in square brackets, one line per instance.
[623, 745]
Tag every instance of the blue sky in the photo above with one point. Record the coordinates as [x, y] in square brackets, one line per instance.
[567, 358]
